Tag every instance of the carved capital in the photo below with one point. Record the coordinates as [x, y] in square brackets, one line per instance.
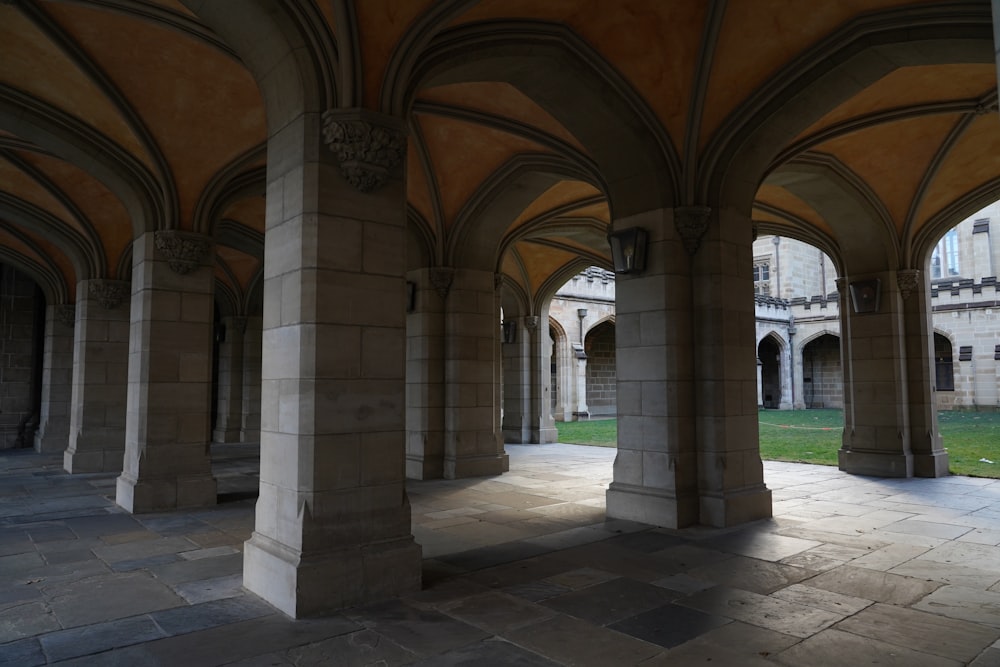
[184, 250]
[907, 280]
[66, 315]
[531, 322]
[841, 285]
[497, 280]
[368, 147]
[441, 278]
[691, 223]
[109, 293]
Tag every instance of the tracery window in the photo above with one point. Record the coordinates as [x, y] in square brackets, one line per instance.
[944, 259]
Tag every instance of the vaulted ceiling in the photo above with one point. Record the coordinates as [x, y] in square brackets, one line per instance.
[850, 121]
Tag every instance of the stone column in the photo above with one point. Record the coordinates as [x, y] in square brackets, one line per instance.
[760, 384]
[730, 472]
[581, 384]
[167, 460]
[57, 380]
[229, 405]
[877, 428]
[250, 429]
[425, 374]
[655, 470]
[472, 445]
[100, 377]
[543, 426]
[516, 358]
[333, 520]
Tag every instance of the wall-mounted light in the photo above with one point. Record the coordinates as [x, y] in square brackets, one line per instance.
[628, 249]
[508, 331]
[865, 295]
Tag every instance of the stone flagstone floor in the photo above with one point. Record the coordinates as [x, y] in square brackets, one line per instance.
[521, 570]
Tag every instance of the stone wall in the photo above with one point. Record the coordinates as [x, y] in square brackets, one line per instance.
[822, 379]
[601, 382]
[21, 322]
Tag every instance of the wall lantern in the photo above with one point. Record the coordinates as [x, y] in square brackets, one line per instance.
[865, 295]
[628, 249]
[508, 332]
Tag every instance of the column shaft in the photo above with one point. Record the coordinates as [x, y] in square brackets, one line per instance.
[100, 377]
[250, 428]
[167, 459]
[229, 405]
[57, 380]
[425, 380]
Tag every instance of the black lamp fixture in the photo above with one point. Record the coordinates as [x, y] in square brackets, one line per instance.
[508, 331]
[628, 249]
[865, 295]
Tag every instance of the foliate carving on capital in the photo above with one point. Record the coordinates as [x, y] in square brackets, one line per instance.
[441, 278]
[66, 315]
[531, 322]
[109, 293]
[368, 151]
[841, 285]
[497, 281]
[184, 250]
[691, 223]
[907, 280]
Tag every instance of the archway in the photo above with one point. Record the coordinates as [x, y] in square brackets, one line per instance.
[599, 347]
[769, 354]
[822, 377]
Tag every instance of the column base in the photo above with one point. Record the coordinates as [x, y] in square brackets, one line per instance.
[51, 441]
[656, 507]
[931, 465]
[875, 464]
[157, 495]
[223, 435]
[516, 436]
[303, 585]
[476, 466]
[545, 436]
[418, 467]
[734, 508]
[93, 460]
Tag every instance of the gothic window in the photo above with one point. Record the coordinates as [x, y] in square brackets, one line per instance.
[944, 371]
[762, 278]
[944, 259]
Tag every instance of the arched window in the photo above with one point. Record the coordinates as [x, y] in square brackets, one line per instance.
[944, 259]
[944, 372]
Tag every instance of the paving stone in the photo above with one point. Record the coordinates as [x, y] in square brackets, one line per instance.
[988, 658]
[102, 525]
[421, 631]
[182, 620]
[976, 556]
[774, 614]
[357, 649]
[496, 612]
[108, 597]
[821, 599]
[100, 637]
[735, 643]
[963, 603]
[571, 641]
[182, 571]
[206, 590]
[888, 557]
[647, 541]
[755, 543]
[24, 653]
[873, 585]
[487, 652]
[581, 578]
[144, 548]
[26, 620]
[669, 625]
[759, 576]
[928, 633]
[144, 563]
[832, 648]
[536, 591]
[948, 573]
[611, 601]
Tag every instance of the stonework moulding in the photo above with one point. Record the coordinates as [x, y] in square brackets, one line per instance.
[531, 322]
[240, 323]
[841, 284]
[497, 280]
[907, 280]
[369, 147]
[66, 314]
[184, 250]
[441, 278]
[691, 223]
[109, 293]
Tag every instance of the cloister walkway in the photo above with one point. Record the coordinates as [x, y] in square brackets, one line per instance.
[521, 569]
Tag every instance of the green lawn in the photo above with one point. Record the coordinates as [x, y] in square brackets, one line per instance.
[813, 436]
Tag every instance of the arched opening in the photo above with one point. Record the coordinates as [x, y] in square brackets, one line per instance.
[599, 347]
[944, 370]
[22, 327]
[822, 377]
[769, 354]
